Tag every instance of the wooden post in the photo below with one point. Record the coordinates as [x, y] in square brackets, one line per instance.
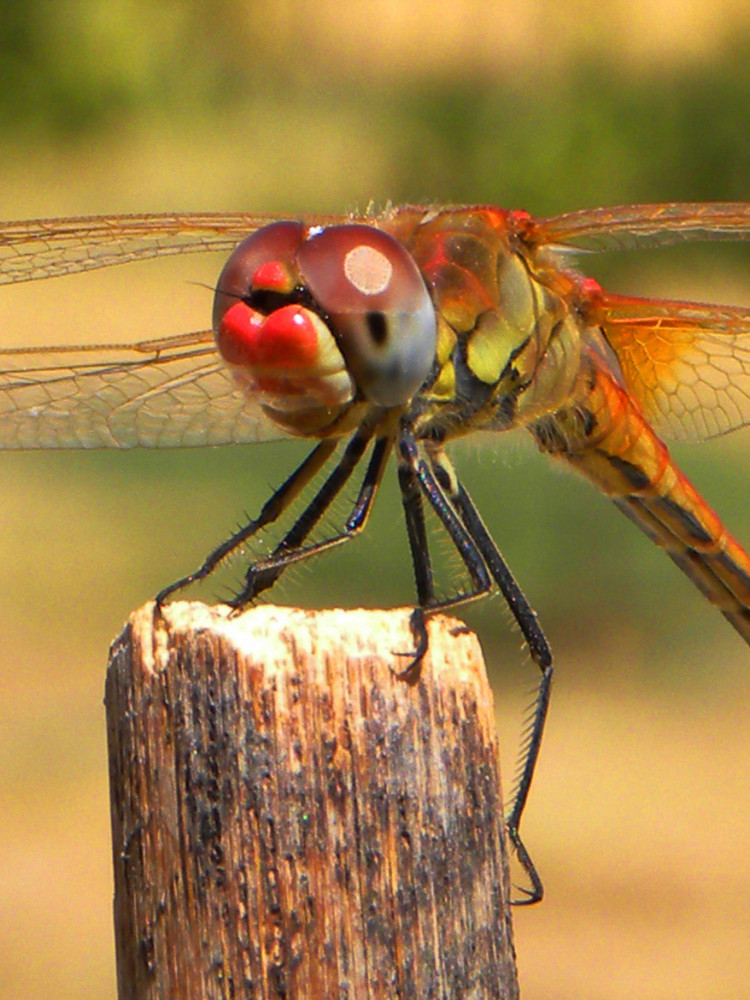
[291, 818]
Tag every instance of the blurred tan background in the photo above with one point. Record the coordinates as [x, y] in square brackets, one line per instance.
[639, 819]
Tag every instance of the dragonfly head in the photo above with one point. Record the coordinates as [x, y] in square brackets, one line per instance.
[321, 316]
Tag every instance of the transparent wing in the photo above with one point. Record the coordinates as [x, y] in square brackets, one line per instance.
[163, 393]
[44, 248]
[41, 248]
[623, 227]
[687, 363]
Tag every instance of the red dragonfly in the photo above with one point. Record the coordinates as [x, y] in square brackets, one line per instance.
[399, 332]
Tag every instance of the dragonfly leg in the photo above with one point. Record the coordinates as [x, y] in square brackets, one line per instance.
[529, 754]
[454, 497]
[520, 608]
[272, 509]
[263, 573]
[422, 474]
[411, 499]
[541, 654]
[416, 480]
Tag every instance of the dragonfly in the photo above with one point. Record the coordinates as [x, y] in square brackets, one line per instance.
[391, 334]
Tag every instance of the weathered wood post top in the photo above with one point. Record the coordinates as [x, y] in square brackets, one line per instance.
[292, 817]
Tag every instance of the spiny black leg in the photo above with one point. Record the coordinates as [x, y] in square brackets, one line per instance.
[529, 756]
[536, 893]
[373, 477]
[411, 499]
[272, 509]
[538, 647]
[265, 572]
[509, 588]
[418, 628]
[415, 473]
[465, 545]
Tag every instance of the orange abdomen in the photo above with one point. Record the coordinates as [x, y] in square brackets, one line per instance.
[606, 437]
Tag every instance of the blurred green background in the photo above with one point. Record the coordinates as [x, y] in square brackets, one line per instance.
[640, 818]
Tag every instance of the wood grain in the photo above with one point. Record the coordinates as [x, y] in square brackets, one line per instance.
[293, 818]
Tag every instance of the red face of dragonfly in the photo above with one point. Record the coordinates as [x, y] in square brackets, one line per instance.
[310, 318]
[409, 329]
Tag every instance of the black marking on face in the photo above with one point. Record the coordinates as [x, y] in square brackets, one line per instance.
[266, 301]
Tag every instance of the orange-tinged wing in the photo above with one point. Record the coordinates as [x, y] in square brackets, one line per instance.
[171, 392]
[623, 227]
[688, 364]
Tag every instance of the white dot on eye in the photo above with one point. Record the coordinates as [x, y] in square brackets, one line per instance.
[368, 269]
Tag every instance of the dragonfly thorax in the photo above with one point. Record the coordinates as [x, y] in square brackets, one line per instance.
[509, 339]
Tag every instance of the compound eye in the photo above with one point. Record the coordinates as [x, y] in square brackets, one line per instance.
[263, 260]
[379, 308]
